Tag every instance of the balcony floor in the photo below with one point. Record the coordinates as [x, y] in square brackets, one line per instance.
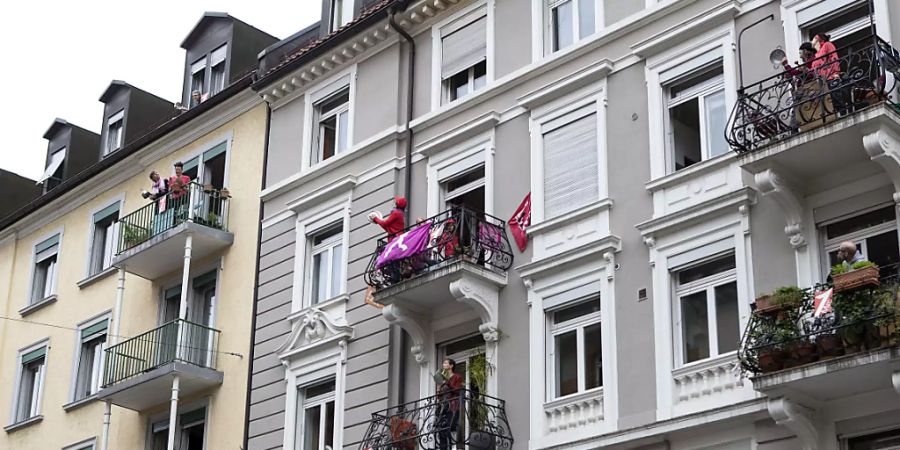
[155, 386]
[429, 294]
[164, 252]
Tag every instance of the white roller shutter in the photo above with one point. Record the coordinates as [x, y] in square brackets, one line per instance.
[570, 166]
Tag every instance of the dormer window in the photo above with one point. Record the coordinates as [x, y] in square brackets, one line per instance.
[341, 13]
[217, 70]
[208, 75]
[198, 76]
[114, 126]
[53, 174]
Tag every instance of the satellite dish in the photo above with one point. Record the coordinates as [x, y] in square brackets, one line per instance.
[777, 56]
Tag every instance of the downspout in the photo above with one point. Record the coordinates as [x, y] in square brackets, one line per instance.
[256, 283]
[113, 339]
[410, 88]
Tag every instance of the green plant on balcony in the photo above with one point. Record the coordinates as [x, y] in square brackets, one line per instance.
[479, 369]
[859, 275]
[133, 234]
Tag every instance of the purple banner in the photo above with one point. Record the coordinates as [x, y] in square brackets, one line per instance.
[404, 245]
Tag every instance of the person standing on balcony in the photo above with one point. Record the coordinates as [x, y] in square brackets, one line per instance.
[395, 222]
[849, 254]
[801, 73]
[179, 175]
[826, 63]
[449, 397]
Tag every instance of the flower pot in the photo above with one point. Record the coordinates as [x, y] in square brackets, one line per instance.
[804, 352]
[830, 345]
[771, 360]
[856, 279]
[481, 441]
[878, 336]
[765, 303]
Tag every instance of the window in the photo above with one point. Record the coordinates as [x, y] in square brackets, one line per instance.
[695, 128]
[887, 440]
[315, 426]
[159, 435]
[53, 174]
[706, 309]
[570, 21]
[846, 27]
[43, 283]
[217, 70]
[198, 81]
[577, 360]
[341, 13]
[209, 167]
[89, 376]
[466, 189]
[571, 178]
[31, 384]
[87, 444]
[114, 126]
[463, 55]
[103, 239]
[190, 432]
[875, 234]
[332, 123]
[327, 268]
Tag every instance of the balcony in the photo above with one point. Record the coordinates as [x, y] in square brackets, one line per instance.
[826, 343]
[475, 421]
[138, 372]
[152, 239]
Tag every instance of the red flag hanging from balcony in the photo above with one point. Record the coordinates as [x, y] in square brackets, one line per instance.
[520, 221]
[822, 302]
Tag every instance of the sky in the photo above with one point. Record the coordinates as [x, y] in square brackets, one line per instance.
[61, 55]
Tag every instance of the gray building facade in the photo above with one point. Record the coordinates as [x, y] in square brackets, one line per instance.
[660, 209]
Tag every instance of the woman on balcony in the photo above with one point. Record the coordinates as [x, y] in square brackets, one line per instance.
[449, 397]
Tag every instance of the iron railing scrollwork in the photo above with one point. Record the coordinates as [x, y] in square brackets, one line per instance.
[197, 204]
[456, 234]
[851, 79]
[178, 340]
[460, 419]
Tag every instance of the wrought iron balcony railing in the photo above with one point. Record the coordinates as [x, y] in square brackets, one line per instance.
[178, 340]
[459, 419]
[813, 330]
[208, 207]
[453, 235]
[803, 97]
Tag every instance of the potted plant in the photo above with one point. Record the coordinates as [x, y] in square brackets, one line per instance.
[765, 303]
[479, 438]
[881, 330]
[861, 274]
[133, 234]
[852, 309]
[768, 339]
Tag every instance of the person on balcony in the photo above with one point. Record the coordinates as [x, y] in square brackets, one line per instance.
[449, 393]
[395, 222]
[803, 71]
[826, 62]
[158, 187]
[849, 254]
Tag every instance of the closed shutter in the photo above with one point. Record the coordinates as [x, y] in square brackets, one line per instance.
[570, 166]
[463, 48]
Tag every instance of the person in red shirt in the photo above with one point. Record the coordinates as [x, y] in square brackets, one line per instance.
[395, 222]
[179, 175]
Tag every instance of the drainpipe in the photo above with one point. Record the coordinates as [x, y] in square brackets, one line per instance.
[113, 338]
[410, 88]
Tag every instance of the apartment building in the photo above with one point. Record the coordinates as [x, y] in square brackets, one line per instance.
[674, 173]
[127, 315]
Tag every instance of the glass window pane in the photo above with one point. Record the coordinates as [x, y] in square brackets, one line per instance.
[311, 428]
[458, 85]
[593, 357]
[336, 269]
[727, 322]
[329, 424]
[694, 327]
[342, 124]
[585, 18]
[319, 277]
[566, 348]
[684, 120]
[563, 26]
[480, 75]
[327, 130]
[715, 123]
[706, 269]
[576, 311]
[860, 222]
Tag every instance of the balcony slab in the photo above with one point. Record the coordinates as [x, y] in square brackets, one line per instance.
[164, 252]
[154, 387]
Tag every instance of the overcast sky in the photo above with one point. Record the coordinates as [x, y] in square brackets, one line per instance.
[59, 56]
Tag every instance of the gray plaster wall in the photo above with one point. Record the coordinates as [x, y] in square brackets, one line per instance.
[616, 10]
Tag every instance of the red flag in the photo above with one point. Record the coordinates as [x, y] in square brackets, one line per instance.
[822, 302]
[520, 221]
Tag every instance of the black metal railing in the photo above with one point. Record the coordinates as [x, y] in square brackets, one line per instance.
[459, 419]
[859, 320]
[453, 235]
[195, 203]
[803, 97]
[178, 340]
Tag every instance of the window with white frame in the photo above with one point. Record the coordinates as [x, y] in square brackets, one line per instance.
[43, 283]
[190, 431]
[332, 125]
[114, 127]
[53, 173]
[217, 70]
[463, 53]
[847, 26]
[314, 429]
[326, 263]
[208, 167]
[32, 364]
[875, 234]
[89, 375]
[341, 13]
[87, 444]
[696, 116]
[570, 160]
[103, 238]
[198, 81]
[569, 21]
[465, 189]
[706, 309]
[576, 359]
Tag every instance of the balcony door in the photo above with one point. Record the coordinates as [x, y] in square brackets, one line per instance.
[875, 235]
[200, 308]
[471, 364]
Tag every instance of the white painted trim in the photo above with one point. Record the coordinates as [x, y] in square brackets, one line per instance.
[456, 21]
[14, 404]
[322, 89]
[76, 355]
[120, 199]
[58, 231]
[483, 143]
[90, 443]
[296, 377]
[227, 137]
[277, 218]
[793, 27]
[541, 27]
[309, 222]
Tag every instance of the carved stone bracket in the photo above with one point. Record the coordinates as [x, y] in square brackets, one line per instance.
[771, 183]
[883, 147]
[483, 297]
[413, 325]
[798, 418]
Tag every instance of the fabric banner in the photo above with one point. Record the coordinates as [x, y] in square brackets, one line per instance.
[405, 245]
[822, 302]
[520, 221]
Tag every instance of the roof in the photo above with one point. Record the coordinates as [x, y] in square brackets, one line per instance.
[115, 85]
[210, 16]
[301, 55]
[59, 124]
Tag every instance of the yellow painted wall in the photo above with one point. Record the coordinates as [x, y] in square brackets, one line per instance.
[233, 311]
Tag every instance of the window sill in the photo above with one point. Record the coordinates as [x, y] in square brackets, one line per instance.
[69, 407]
[37, 305]
[96, 277]
[25, 423]
[325, 306]
[574, 398]
[571, 216]
[700, 168]
[705, 364]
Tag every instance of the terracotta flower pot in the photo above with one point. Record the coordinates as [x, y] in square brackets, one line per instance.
[830, 345]
[771, 360]
[765, 304]
[856, 279]
[804, 352]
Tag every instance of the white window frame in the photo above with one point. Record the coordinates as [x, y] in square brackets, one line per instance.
[455, 160]
[446, 91]
[320, 117]
[699, 92]
[183, 408]
[578, 325]
[670, 65]
[460, 19]
[117, 118]
[326, 89]
[795, 24]
[227, 138]
[546, 35]
[212, 89]
[326, 247]
[37, 400]
[54, 277]
[708, 285]
[89, 251]
[305, 404]
[318, 219]
[87, 444]
[308, 369]
[79, 344]
[346, 14]
[568, 109]
[198, 66]
[859, 237]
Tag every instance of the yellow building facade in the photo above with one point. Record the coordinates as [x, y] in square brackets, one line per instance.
[54, 388]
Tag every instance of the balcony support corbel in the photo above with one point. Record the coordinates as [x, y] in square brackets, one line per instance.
[774, 184]
[800, 419]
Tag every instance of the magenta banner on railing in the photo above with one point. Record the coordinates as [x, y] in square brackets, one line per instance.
[404, 245]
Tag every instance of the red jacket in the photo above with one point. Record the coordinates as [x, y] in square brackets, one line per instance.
[393, 223]
[450, 390]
